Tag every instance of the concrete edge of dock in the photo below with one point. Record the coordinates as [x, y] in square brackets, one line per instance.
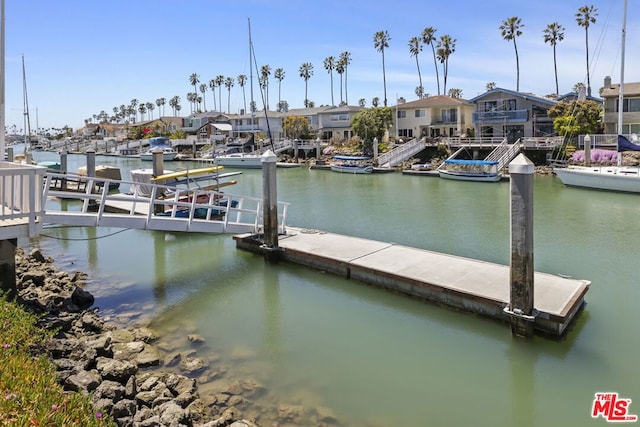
[548, 323]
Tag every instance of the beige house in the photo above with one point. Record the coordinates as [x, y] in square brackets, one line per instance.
[630, 111]
[433, 116]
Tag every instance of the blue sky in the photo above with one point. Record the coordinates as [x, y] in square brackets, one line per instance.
[83, 57]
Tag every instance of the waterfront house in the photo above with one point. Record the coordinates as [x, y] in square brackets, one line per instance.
[433, 117]
[335, 122]
[630, 111]
[503, 113]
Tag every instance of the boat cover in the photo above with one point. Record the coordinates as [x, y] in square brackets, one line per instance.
[471, 162]
[625, 145]
[352, 158]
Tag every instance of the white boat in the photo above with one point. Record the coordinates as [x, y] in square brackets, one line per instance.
[159, 143]
[352, 164]
[470, 170]
[240, 160]
[608, 178]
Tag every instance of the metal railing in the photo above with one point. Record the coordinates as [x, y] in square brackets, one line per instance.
[401, 153]
[20, 202]
[167, 208]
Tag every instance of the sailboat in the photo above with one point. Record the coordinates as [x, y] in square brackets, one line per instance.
[240, 158]
[614, 177]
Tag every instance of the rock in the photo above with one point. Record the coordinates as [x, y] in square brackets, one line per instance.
[193, 365]
[83, 381]
[82, 298]
[115, 370]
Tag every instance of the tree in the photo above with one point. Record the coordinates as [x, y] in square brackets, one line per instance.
[576, 117]
[415, 47]
[362, 102]
[340, 69]
[174, 103]
[219, 83]
[242, 81]
[203, 89]
[490, 86]
[194, 79]
[160, 102]
[510, 30]
[213, 85]
[429, 38]
[372, 123]
[142, 108]
[330, 65]
[228, 83]
[375, 101]
[345, 61]
[150, 108]
[446, 46]
[296, 126]
[553, 34]
[306, 71]
[265, 72]
[455, 93]
[381, 42]
[585, 17]
[278, 74]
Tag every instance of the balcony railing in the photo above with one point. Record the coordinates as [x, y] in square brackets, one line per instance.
[502, 116]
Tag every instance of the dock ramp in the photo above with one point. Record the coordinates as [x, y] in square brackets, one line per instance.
[402, 153]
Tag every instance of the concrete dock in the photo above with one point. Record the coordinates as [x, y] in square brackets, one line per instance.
[470, 285]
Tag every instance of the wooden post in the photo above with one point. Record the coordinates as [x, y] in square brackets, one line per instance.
[8, 267]
[158, 169]
[63, 169]
[9, 151]
[91, 163]
[587, 150]
[521, 303]
[270, 207]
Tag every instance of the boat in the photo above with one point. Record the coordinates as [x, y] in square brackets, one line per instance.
[105, 172]
[607, 177]
[470, 170]
[352, 164]
[162, 143]
[240, 155]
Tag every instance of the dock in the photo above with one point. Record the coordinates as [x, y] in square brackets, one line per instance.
[469, 285]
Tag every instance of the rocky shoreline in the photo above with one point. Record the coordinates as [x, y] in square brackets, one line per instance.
[122, 368]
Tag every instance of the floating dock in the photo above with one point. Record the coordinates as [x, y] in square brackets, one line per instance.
[470, 285]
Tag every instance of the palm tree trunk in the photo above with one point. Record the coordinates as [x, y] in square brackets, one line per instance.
[384, 80]
[419, 77]
[588, 79]
[332, 101]
[435, 65]
[555, 67]
[517, 66]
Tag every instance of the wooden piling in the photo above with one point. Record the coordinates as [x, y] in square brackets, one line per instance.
[270, 206]
[521, 304]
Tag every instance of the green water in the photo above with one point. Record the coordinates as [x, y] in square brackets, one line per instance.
[369, 357]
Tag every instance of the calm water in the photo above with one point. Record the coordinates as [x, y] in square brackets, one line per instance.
[369, 357]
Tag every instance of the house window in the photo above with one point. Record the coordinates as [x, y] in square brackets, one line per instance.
[509, 104]
[339, 117]
[489, 106]
[420, 113]
[630, 105]
[449, 115]
[402, 114]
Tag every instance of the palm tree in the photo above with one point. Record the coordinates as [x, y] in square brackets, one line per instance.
[345, 60]
[490, 86]
[446, 46]
[306, 71]
[174, 103]
[415, 47]
[194, 79]
[242, 80]
[212, 86]
[203, 89]
[160, 103]
[219, 83]
[192, 97]
[228, 83]
[553, 34]
[132, 109]
[265, 72]
[340, 69]
[330, 65]
[150, 108]
[429, 38]
[278, 74]
[142, 108]
[381, 42]
[586, 16]
[510, 30]
[362, 102]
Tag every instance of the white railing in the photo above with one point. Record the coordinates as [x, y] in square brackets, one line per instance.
[167, 208]
[401, 153]
[20, 202]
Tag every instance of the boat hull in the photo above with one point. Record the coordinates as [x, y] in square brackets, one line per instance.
[458, 176]
[241, 161]
[166, 156]
[608, 178]
[352, 169]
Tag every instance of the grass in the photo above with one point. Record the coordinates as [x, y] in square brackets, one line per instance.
[30, 394]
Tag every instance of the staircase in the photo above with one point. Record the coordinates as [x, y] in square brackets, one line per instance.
[504, 153]
[401, 153]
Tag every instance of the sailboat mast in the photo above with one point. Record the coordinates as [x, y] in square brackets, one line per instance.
[251, 104]
[621, 88]
[27, 122]
[2, 94]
